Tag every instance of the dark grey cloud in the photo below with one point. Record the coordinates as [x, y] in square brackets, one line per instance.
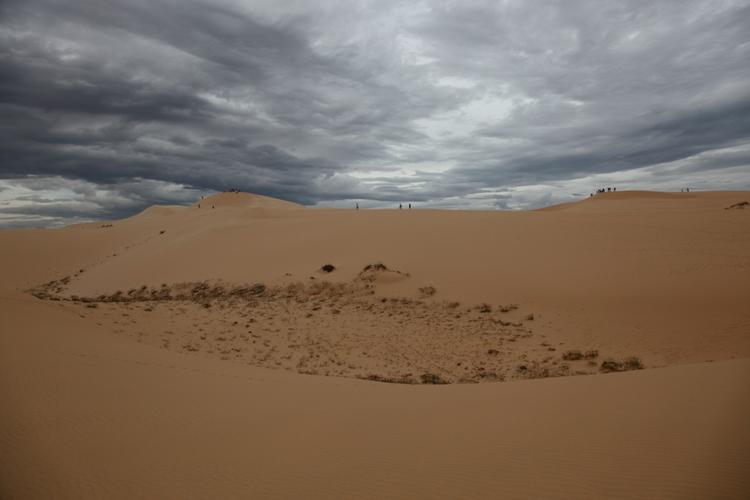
[107, 107]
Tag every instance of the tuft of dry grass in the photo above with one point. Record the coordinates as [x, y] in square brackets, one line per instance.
[484, 308]
[407, 378]
[572, 355]
[378, 266]
[433, 378]
[630, 363]
[740, 205]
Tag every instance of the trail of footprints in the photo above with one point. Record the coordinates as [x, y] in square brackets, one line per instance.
[338, 329]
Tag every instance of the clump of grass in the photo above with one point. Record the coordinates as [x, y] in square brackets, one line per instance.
[533, 370]
[484, 308]
[407, 378]
[378, 266]
[739, 205]
[572, 355]
[468, 380]
[630, 363]
[427, 291]
[490, 376]
[433, 378]
[328, 268]
[610, 365]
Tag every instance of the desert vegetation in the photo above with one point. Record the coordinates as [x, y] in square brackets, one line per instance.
[404, 340]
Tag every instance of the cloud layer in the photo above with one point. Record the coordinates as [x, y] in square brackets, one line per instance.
[108, 107]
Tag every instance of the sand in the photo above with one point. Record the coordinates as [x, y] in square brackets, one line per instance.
[230, 365]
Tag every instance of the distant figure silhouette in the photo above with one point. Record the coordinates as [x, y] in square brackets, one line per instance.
[614, 189]
[609, 189]
[357, 205]
[409, 206]
[213, 206]
[199, 205]
[399, 206]
[687, 190]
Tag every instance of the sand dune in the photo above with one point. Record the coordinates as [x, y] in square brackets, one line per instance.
[181, 352]
[243, 200]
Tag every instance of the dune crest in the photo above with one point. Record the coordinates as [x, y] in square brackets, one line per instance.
[244, 200]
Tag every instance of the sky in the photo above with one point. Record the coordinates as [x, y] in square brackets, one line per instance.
[110, 106]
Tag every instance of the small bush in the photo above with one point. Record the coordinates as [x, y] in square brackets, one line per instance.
[328, 268]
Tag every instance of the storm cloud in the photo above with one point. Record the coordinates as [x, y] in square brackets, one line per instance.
[108, 107]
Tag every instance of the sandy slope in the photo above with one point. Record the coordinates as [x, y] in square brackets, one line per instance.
[88, 412]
